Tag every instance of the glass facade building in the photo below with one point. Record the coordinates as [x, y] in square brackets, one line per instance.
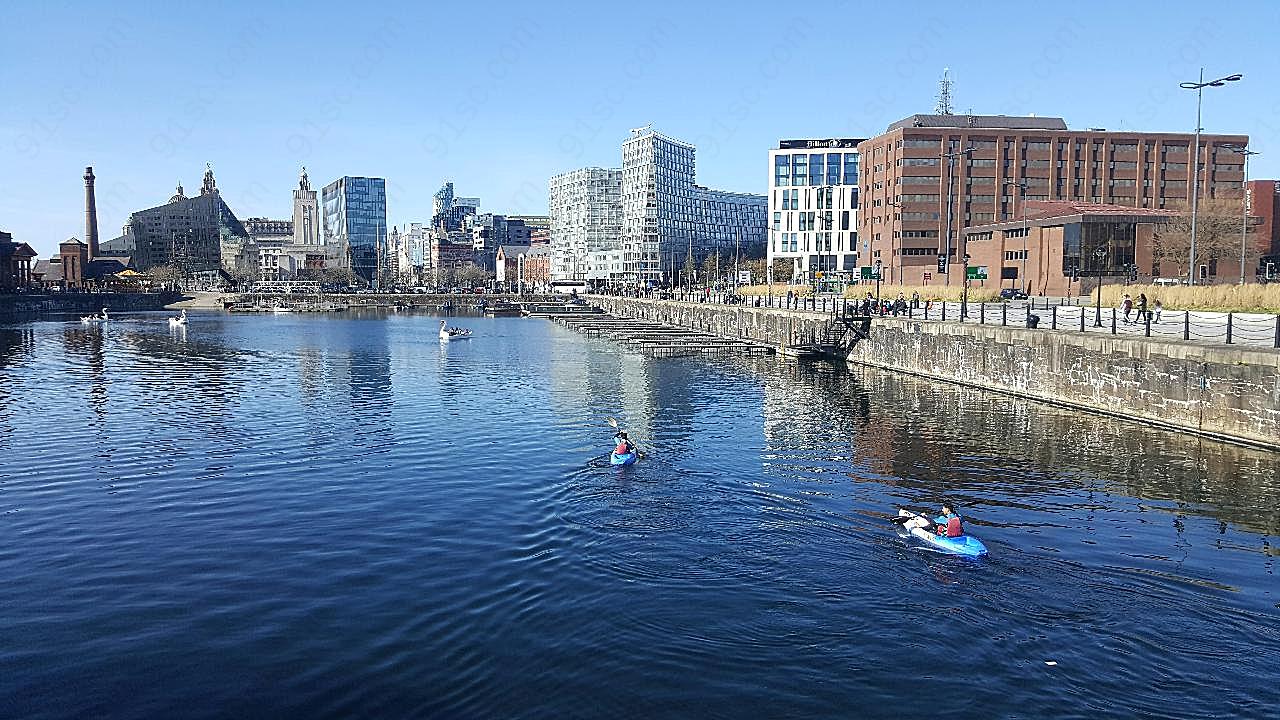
[666, 216]
[586, 223]
[355, 215]
[813, 209]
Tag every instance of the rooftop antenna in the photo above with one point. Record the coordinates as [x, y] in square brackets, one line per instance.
[944, 106]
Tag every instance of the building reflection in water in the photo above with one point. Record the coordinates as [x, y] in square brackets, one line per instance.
[16, 345]
[923, 435]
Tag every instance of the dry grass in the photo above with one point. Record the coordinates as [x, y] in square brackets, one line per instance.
[779, 289]
[1250, 297]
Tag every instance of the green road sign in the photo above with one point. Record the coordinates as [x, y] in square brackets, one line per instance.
[978, 272]
[868, 273]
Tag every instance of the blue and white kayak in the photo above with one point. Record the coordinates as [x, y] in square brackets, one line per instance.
[923, 528]
[624, 459]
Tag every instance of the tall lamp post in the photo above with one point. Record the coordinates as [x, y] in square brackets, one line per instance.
[1022, 274]
[951, 172]
[1099, 254]
[1195, 165]
[1244, 202]
[964, 294]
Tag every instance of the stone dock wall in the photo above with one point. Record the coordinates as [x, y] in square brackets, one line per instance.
[1227, 392]
[22, 306]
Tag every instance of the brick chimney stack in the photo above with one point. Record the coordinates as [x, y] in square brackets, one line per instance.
[90, 214]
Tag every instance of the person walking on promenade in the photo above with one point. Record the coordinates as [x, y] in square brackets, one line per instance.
[915, 299]
[1157, 307]
[1142, 307]
[1127, 307]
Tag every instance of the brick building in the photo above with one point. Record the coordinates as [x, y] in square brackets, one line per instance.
[1054, 251]
[988, 165]
[1264, 205]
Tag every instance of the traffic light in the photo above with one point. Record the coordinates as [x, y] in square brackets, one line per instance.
[942, 264]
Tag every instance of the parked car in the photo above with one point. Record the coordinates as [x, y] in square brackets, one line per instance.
[1013, 294]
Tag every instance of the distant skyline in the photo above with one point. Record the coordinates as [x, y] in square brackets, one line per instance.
[501, 96]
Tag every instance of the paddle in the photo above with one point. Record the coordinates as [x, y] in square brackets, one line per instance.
[902, 519]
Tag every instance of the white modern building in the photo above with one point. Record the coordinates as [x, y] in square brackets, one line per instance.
[586, 221]
[813, 209]
[666, 217]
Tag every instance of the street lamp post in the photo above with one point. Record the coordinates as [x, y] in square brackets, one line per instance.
[1195, 164]
[879, 274]
[951, 166]
[964, 294]
[1244, 202]
[1099, 254]
[1022, 274]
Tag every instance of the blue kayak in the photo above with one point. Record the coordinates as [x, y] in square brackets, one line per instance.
[922, 527]
[625, 459]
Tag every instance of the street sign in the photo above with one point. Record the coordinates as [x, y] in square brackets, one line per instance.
[869, 273]
[928, 277]
[976, 272]
[942, 264]
[744, 277]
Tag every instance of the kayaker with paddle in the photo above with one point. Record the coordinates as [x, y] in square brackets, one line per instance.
[949, 522]
[624, 444]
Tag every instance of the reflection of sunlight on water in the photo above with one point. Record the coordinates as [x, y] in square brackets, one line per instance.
[351, 496]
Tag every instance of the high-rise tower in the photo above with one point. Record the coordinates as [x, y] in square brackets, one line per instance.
[306, 214]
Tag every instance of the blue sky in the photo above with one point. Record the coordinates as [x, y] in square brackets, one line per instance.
[499, 96]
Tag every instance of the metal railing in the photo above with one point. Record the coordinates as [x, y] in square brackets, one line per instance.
[1249, 329]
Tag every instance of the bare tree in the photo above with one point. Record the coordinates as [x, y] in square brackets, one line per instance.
[1217, 238]
[165, 276]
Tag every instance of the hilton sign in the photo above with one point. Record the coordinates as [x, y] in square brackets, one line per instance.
[817, 144]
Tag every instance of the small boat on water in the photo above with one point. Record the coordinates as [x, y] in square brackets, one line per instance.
[922, 527]
[624, 459]
[92, 319]
[279, 308]
[180, 321]
[453, 333]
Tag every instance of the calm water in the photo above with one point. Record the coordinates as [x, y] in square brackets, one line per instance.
[311, 516]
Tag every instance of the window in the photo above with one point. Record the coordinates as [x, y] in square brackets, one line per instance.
[916, 162]
[833, 169]
[851, 168]
[844, 220]
[928, 143]
[920, 233]
[1121, 165]
[917, 215]
[1016, 233]
[777, 221]
[978, 236]
[816, 174]
[781, 170]
[979, 163]
[1032, 145]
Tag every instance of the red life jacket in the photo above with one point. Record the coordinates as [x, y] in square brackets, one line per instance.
[621, 449]
[953, 528]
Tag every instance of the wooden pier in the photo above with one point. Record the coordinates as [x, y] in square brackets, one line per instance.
[656, 338]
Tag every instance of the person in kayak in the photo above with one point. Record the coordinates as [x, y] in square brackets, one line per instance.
[949, 523]
[624, 445]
